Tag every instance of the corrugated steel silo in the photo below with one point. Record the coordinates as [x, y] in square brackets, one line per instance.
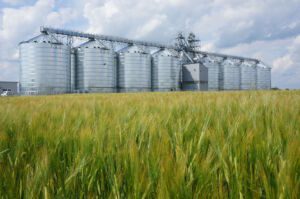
[134, 70]
[45, 66]
[96, 68]
[263, 77]
[73, 71]
[248, 76]
[231, 75]
[214, 68]
[165, 71]
[221, 76]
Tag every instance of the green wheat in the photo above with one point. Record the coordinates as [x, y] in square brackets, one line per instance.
[151, 145]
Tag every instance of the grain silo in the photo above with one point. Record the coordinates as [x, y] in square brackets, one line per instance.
[221, 76]
[248, 75]
[45, 66]
[231, 74]
[165, 71]
[263, 77]
[213, 67]
[73, 71]
[50, 67]
[96, 68]
[134, 70]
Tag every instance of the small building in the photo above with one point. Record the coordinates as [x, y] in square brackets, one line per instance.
[9, 86]
[194, 77]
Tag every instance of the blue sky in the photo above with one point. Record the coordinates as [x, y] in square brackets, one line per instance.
[265, 29]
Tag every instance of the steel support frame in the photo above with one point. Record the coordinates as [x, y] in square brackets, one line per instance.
[69, 33]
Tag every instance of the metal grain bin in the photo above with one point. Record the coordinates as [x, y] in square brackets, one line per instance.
[248, 76]
[134, 71]
[45, 66]
[96, 68]
[73, 71]
[221, 76]
[231, 75]
[263, 77]
[213, 67]
[165, 71]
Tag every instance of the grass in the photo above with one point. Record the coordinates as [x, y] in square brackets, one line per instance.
[151, 145]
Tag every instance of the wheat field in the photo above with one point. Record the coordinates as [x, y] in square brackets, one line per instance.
[151, 145]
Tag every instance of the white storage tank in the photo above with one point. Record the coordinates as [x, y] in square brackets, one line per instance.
[165, 71]
[221, 76]
[263, 77]
[248, 75]
[96, 68]
[231, 74]
[73, 71]
[134, 70]
[45, 66]
[213, 67]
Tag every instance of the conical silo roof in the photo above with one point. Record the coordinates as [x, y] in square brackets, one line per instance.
[166, 52]
[132, 49]
[43, 38]
[93, 44]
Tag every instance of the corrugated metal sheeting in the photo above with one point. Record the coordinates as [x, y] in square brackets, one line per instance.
[134, 72]
[248, 76]
[165, 71]
[263, 77]
[73, 71]
[213, 67]
[45, 66]
[96, 68]
[50, 67]
[232, 75]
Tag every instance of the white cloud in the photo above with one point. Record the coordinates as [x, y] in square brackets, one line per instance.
[208, 47]
[229, 23]
[267, 50]
[261, 29]
[9, 71]
[110, 9]
[13, 2]
[98, 15]
[286, 69]
[282, 64]
[19, 24]
[150, 26]
[132, 18]
[61, 17]
[16, 22]
[170, 2]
